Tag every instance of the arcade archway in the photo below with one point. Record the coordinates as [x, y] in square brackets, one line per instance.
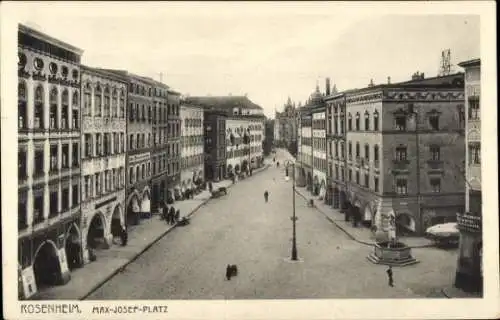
[97, 231]
[244, 166]
[46, 266]
[322, 189]
[336, 198]
[73, 248]
[316, 186]
[367, 216]
[146, 203]
[117, 222]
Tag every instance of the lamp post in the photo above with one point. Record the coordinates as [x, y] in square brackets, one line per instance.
[288, 164]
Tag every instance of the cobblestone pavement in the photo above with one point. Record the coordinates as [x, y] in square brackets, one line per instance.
[189, 263]
[109, 261]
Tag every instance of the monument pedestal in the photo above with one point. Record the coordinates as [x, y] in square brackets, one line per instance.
[392, 254]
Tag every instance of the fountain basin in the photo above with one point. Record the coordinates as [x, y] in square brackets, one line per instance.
[392, 254]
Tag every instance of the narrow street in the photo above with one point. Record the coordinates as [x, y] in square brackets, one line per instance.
[241, 229]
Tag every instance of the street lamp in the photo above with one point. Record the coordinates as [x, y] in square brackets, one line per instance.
[288, 164]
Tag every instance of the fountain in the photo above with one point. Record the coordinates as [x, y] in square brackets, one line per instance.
[387, 249]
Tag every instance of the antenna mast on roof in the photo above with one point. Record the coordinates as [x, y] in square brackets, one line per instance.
[445, 65]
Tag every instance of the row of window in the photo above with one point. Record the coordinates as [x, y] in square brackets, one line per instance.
[103, 144]
[102, 183]
[188, 141]
[319, 124]
[68, 115]
[104, 107]
[193, 123]
[320, 164]
[39, 160]
[155, 115]
[67, 202]
[149, 92]
[319, 144]
[192, 161]
[400, 185]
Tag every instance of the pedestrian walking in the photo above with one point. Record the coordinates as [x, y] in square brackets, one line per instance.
[266, 195]
[177, 215]
[172, 215]
[389, 274]
[228, 272]
[124, 236]
[278, 164]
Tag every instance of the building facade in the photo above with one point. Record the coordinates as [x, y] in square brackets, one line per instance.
[336, 150]
[244, 132]
[192, 143]
[160, 146]
[285, 126]
[469, 274]
[214, 127]
[173, 146]
[312, 166]
[404, 148]
[49, 167]
[104, 130]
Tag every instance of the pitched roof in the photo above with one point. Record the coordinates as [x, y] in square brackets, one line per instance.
[223, 102]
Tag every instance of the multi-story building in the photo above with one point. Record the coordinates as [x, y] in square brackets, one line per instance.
[192, 164]
[173, 145]
[214, 127]
[469, 274]
[139, 145]
[104, 129]
[336, 146]
[405, 144]
[285, 126]
[160, 147]
[244, 125]
[48, 160]
[312, 162]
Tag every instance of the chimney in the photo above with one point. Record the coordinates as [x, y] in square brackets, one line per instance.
[388, 80]
[327, 86]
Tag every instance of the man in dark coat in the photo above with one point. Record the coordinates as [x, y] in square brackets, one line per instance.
[389, 274]
[124, 236]
[172, 215]
[228, 272]
[177, 215]
[266, 195]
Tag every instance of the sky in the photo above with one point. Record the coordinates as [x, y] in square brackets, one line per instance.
[268, 51]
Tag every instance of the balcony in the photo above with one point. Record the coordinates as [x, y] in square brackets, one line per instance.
[436, 166]
[400, 166]
[469, 223]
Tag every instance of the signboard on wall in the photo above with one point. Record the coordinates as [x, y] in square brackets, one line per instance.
[29, 283]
